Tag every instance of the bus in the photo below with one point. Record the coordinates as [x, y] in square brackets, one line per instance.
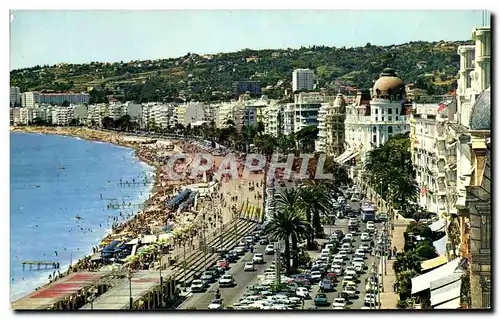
[367, 213]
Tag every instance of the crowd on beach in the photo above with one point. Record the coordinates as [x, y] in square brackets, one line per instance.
[155, 215]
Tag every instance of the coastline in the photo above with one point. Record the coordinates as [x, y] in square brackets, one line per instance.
[103, 137]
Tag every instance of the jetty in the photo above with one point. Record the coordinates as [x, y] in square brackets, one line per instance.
[39, 264]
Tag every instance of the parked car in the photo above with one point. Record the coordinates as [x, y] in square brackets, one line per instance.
[321, 300]
[215, 304]
[208, 277]
[365, 237]
[198, 286]
[223, 263]
[258, 259]
[370, 299]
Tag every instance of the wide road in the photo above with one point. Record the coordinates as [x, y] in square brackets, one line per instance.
[358, 301]
[243, 280]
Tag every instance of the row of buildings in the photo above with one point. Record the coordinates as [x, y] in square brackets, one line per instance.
[451, 153]
[30, 99]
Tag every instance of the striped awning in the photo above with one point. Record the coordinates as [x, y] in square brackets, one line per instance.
[446, 293]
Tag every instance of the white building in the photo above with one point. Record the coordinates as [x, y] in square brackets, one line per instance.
[223, 113]
[61, 116]
[273, 119]
[80, 112]
[134, 111]
[373, 119]
[96, 113]
[302, 79]
[190, 113]
[289, 118]
[29, 99]
[15, 96]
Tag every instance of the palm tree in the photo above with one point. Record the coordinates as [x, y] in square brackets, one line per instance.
[286, 224]
[315, 200]
[288, 199]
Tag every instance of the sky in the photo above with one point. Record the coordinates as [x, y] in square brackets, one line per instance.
[51, 37]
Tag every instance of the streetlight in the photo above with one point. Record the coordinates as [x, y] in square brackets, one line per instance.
[160, 251]
[130, 287]
[184, 239]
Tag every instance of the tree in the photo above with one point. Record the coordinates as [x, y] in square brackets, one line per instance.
[307, 137]
[107, 122]
[408, 261]
[314, 200]
[404, 283]
[426, 250]
[65, 103]
[286, 224]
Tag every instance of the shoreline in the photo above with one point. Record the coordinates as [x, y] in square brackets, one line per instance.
[102, 137]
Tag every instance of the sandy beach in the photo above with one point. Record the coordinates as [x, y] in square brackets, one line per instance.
[154, 217]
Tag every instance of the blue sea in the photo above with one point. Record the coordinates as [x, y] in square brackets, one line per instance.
[54, 179]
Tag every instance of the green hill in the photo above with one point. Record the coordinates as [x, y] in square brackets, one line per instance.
[209, 77]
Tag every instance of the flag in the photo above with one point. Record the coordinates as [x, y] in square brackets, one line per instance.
[441, 107]
[423, 191]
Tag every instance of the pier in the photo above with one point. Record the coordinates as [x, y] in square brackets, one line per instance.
[134, 182]
[47, 264]
[124, 205]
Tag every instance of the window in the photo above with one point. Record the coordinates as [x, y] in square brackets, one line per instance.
[397, 118]
[389, 111]
[374, 139]
[389, 118]
[383, 119]
[389, 129]
[485, 231]
[374, 129]
[397, 111]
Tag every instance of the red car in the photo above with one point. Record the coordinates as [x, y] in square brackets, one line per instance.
[223, 264]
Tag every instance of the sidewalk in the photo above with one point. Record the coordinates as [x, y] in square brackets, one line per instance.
[388, 298]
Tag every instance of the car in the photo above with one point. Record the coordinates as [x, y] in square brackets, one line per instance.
[302, 292]
[338, 232]
[316, 276]
[370, 287]
[226, 281]
[359, 268]
[370, 227]
[249, 266]
[338, 260]
[347, 247]
[339, 303]
[323, 259]
[240, 250]
[326, 285]
[382, 217]
[348, 280]
[337, 269]
[350, 290]
[348, 237]
[264, 241]
[343, 253]
[359, 254]
[370, 299]
[223, 263]
[366, 248]
[208, 277]
[354, 199]
[330, 247]
[321, 300]
[215, 304]
[365, 237]
[216, 271]
[258, 259]
[232, 256]
[269, 250]
[198, 285]
[350, 271]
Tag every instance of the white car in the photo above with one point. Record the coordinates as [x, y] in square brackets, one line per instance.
[350, 271]
[240, 250]
[365, 237]
[316, 276]
[343, 253]
[303, 292]
[197, 285]
[359, 268]
[226, 281]
[249, 266]
[349, 290]
[337, 270]
[365, 248]
[339, 260]
[359, 254]
[339, 303]
[215, 304]
[258, 259]
[348, 237]
[370, 299]
[370, 227]
[347, 247]
[269, 250]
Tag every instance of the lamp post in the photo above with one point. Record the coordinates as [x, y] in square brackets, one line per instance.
[160, 251]
[92, 297]
[130, 288]
[185, 270]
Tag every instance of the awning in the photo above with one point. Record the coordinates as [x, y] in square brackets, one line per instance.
[349, 157]
[440, 245]
[446, 293]
[440, 283]
[434, 262]
[133, 242]
[344, 155]
[452, 304]
[422, 282]
[438, 225]
[148, 239]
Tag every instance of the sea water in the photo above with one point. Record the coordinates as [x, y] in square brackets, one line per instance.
[60, 188]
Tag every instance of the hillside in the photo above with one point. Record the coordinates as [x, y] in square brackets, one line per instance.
[432, 66]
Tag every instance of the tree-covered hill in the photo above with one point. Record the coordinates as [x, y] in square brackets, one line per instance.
[432, 66]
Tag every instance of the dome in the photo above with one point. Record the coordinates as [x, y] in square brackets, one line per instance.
[389, 84]
[480, 116]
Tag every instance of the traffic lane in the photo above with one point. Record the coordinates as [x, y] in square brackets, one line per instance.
[245, 279]
[202, 300]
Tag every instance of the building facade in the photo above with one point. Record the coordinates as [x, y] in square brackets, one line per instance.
[15, 96]
[252, 87]
[331, 134]
[302, 79]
